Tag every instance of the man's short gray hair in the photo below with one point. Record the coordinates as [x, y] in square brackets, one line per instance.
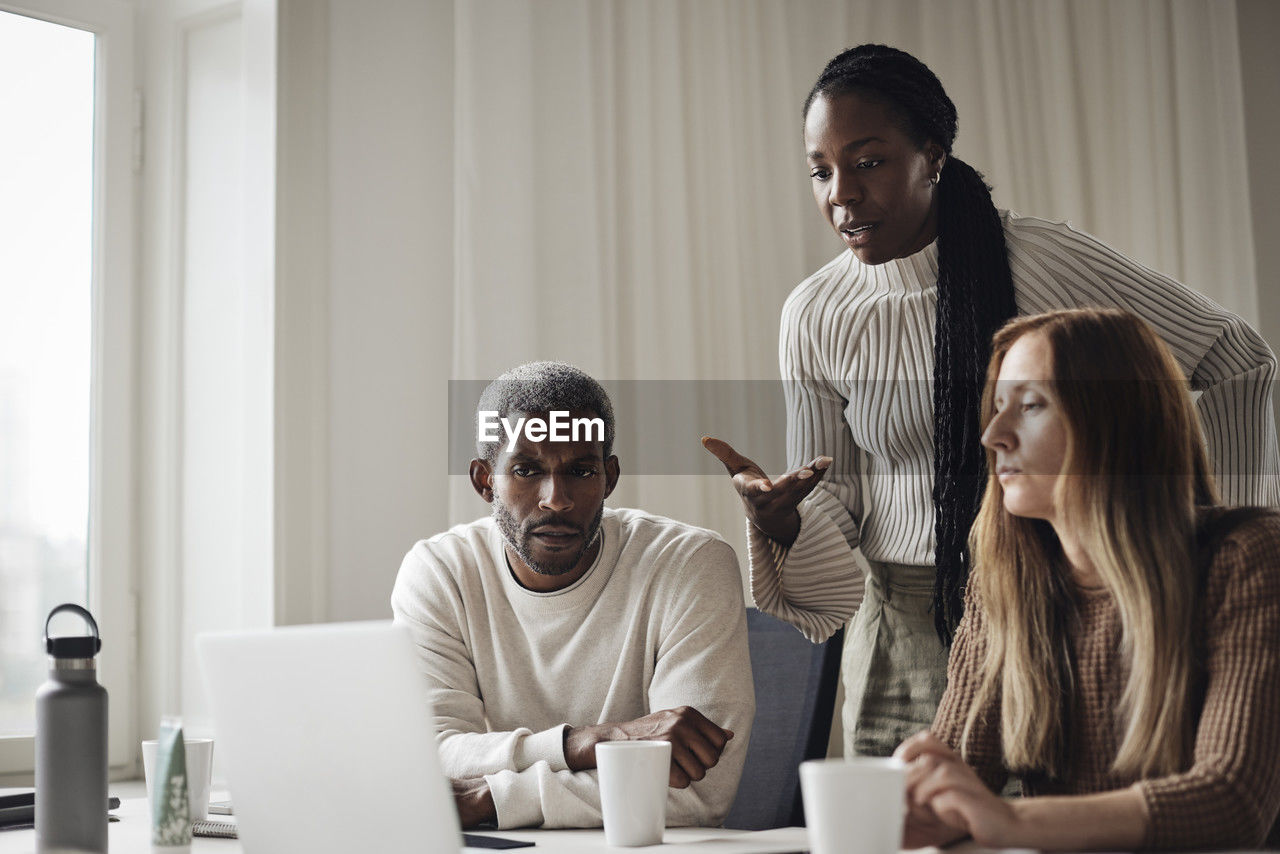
[544, 387]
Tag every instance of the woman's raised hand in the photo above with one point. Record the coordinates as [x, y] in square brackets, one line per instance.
[770, 504]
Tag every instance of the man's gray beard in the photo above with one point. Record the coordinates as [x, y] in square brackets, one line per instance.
[519, 543]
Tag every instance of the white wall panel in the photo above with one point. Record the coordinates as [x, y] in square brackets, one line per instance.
[206, 483]
[217, 347]
[391, 267]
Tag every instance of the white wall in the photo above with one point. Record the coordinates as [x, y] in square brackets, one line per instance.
[205, 486]
[390, 174]
[218, 355]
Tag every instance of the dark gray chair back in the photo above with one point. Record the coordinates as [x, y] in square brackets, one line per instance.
[795, 696]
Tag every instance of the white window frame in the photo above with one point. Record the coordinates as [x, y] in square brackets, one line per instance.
[111, 550]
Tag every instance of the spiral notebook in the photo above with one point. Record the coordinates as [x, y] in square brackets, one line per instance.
[220, 827]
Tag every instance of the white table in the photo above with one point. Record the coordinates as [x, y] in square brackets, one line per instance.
[131, 835]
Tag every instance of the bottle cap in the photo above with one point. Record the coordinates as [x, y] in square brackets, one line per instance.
[76, 646]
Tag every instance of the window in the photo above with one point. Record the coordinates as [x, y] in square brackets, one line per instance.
[65, 350]
[46, 242]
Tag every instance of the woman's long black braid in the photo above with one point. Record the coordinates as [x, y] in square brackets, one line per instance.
[975, 298]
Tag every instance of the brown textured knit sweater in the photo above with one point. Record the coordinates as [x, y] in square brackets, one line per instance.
[1230, 795]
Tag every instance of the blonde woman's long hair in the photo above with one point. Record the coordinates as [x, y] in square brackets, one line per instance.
[1134, 471]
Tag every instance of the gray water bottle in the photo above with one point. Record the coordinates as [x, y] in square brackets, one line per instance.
[71, 745]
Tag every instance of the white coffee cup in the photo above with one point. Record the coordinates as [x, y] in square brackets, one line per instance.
[861, 799]
[199, 772]
[633, 790]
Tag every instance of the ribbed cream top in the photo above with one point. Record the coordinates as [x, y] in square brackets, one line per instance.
[856, 355]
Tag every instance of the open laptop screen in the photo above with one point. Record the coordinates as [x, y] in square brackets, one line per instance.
[328, 740]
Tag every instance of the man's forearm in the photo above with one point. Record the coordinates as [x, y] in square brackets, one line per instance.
[1114, 820]
[475, 754]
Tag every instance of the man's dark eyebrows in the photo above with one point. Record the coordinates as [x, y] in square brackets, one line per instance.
[853, 146]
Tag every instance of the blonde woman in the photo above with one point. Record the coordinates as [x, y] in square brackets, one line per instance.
[1120, 649]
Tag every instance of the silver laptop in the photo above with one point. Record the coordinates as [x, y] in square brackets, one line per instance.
[328, 740]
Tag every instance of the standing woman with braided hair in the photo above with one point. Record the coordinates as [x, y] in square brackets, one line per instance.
[883, 353]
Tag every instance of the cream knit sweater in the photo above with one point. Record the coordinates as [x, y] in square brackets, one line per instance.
[657, 622]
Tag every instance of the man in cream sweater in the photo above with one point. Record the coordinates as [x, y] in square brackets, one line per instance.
[556, 624]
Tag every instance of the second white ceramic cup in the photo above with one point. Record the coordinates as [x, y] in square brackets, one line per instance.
[199, 772]
[633, 790]
[855, 804]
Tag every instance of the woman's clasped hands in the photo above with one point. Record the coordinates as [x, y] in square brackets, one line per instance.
[947, 801]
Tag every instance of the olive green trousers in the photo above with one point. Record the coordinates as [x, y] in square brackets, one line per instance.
[894, 667]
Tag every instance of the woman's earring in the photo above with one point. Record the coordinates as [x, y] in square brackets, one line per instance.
[936, 179]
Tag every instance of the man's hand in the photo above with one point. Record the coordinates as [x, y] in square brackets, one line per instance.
[474, 801]
[770, 504]
[696, 743]
[947, 801]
